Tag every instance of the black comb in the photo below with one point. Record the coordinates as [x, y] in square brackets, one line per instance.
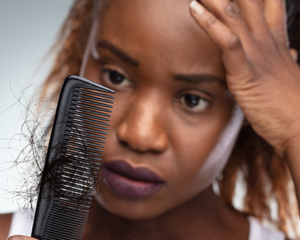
[73, 159]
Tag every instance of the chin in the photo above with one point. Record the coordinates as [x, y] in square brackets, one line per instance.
[131, 195]
[141, 200]
[134, 209]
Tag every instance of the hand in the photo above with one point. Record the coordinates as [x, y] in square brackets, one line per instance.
[260, 72]
[19, 237]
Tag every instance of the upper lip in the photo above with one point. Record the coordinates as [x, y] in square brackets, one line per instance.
[135, 173]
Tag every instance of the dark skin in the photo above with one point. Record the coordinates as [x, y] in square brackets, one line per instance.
[159, 146]
[247, 52]
[195, 219]
[174, 131]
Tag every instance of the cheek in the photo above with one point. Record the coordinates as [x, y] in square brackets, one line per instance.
[202, 152]
[218, 157]
[191, 148]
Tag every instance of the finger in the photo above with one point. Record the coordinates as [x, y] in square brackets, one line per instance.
[275, 14]
[253, 13]
[19, 237]
[235, 60]
[229, 13]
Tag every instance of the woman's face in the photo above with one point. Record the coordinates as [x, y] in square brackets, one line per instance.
[171, 105]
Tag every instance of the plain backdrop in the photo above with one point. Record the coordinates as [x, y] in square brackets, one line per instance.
[28, 29]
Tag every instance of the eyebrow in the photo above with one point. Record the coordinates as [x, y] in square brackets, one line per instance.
[200, 78]
[118, 52]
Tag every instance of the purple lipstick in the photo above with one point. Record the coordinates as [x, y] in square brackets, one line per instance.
[131, 182]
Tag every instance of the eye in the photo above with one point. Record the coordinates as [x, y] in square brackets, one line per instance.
[194, 102]
[115, 78]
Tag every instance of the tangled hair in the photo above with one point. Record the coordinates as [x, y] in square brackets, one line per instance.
[253, 161]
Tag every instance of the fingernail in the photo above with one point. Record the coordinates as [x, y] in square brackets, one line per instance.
[198, 8]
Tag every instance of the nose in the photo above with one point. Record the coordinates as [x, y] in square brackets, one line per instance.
[142, 129]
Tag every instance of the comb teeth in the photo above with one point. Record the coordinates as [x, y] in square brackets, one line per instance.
[79, 162]
[82, 147]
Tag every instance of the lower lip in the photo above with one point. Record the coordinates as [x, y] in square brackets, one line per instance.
[129, 188]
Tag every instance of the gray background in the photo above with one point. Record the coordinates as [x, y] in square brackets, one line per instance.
[27, 31]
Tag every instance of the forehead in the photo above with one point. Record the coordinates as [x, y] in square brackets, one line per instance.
[160, 32]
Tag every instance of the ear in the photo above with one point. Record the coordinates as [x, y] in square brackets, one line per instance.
[294, 54]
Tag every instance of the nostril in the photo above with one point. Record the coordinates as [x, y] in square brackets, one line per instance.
[139, 149]
[123, 143]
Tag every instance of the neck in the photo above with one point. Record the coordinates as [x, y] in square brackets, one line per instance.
[203, 217]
